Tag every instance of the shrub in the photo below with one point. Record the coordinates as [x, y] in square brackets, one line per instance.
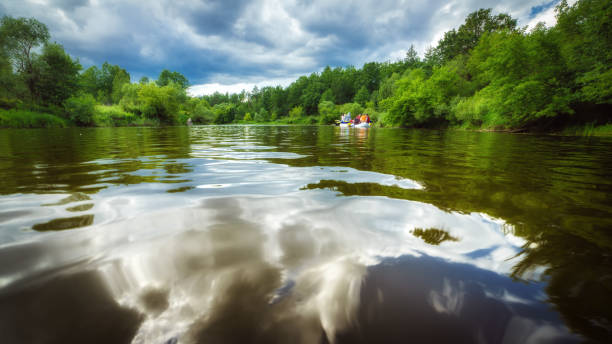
[112, 116]
[328, 112]
[296, 112]
[262, 115]
[80, 109]
[160, 103]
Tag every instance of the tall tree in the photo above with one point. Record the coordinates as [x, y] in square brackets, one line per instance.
[19, 36]
[464, 39]
[587, 45]
[166, 77]
[58, 75]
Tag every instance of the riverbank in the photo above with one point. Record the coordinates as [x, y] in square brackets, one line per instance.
[115, 116]
[103, 116]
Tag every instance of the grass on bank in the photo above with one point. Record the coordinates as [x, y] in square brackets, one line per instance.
[589, 129]
[18, 118]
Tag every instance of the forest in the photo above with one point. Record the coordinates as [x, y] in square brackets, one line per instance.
[486, 74]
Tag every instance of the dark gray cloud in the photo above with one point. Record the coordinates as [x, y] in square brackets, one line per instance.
[211, 17]
[239, 41]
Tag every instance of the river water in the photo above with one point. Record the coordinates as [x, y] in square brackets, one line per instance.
[281, 234]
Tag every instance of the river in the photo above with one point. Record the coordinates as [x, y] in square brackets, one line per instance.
[294, 234]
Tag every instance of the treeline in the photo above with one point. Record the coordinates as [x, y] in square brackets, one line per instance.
[488, 73]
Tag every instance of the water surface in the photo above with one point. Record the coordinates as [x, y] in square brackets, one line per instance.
[303, 234]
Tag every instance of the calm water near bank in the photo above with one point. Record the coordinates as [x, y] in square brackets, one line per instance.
[303, 234]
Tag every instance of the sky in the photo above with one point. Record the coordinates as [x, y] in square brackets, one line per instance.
[230, 45]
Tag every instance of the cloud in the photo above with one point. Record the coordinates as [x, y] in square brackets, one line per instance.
[230, 44]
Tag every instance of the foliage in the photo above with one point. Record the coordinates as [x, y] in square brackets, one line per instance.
[161, 103]
[58, 75]
[112, 116]
[167, 77]
[262, 115]
[587, 47]
[296, 112]
[202, 113]
[80, 109]
[224, 113]
[106, 83]
[19, 37]
[362, 96]
[328, 112]
[461, 41]
[130, 101]
[353, 108]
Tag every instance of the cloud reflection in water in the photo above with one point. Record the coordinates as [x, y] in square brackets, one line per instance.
[288, 268]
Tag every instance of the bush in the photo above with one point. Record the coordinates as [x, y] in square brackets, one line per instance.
[262, 115]
[328, 113]
[112, 116]
[130, 102]
[202, 113]
[160, 103]
[80, 109]
[296, 112]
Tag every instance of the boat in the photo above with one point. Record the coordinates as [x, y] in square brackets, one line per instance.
[362, 125]
[351, 125]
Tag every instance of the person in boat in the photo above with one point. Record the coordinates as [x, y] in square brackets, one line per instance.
[357, 119]
[367, 118]
[348, 117]
[364, 118]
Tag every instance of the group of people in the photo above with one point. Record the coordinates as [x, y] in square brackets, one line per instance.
[361, 118]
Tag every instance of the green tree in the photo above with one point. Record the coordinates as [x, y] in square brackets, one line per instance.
[262, 115]
[464, 39]
[328, 95]
[586, 44]
[166, 77]
[130, 101]
[120, 79]
[89, 80]
[58, 75]
[161, 103]
[19, 37]
[412, 59]
[523, 79]
[362, 96]
[105, 83]
[8, 80]
[224, 113]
